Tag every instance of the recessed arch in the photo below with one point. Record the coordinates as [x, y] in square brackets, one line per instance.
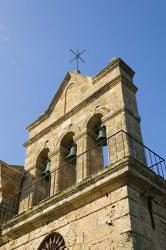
[41, 158]
[41, 187]
[94, 121]
[68, 160]
[97, 111]
[97, 141]
[70, 129]
[68, 95]
[67, 139]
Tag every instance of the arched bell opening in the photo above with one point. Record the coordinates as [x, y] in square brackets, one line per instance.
[67, 171]
[98, 156]
[41, 187]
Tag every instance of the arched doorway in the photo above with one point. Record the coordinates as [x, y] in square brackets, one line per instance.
[53, 241]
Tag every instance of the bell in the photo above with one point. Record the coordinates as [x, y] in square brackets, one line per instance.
[47, 170]
[102, 136]
[73, 152]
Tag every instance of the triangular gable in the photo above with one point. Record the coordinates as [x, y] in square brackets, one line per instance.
[69, 92]
[73, 88]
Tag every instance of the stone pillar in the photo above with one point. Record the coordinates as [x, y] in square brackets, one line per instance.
[81, 165]
[90, 159]
[120, 143]
[117, 139]
[94, 154]
[55, 158]
[26, 196]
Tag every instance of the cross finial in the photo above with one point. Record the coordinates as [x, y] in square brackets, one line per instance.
[77, 58]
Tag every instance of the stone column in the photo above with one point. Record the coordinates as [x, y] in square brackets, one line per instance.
[55, 158]
[89, 160]
[120, 143]
[26, 196]
[81, 165]
[117, 139]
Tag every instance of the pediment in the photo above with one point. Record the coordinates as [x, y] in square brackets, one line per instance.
[70, 93]
[76, 87]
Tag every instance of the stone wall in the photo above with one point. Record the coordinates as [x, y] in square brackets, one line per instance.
[111, 94]
[10, 179]
[102, 224]
[148, 223]
[109, 215]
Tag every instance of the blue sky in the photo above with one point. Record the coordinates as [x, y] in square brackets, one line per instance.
[35, 38]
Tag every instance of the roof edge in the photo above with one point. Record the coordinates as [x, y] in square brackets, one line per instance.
[51, 105]
[116, 61]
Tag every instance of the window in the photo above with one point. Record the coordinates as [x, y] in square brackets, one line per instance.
[105, 155]
[54, 241]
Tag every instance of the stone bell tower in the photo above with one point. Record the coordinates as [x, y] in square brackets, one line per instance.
[89, 182]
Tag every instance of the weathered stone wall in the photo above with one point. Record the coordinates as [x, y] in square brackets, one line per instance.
[148, 232]
[87, 227]
[105, 94]
[10, 179]
[110, 217]
[77, 123]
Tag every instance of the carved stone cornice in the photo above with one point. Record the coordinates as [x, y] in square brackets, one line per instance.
[83, 134]
[113, 64]
[55, 152]
[117, 112]
[80, 135]
[129, 85]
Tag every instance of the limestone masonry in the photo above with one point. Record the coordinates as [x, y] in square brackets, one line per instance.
[88, 182]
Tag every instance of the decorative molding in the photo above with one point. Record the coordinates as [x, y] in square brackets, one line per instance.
[129, 85]
[114, 63]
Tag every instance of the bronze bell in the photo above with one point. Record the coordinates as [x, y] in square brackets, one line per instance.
[102, 136]
[47, 170]
[73, 152]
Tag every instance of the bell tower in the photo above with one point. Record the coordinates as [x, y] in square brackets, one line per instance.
[89, 183]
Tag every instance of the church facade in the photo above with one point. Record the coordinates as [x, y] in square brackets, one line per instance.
[89, 182]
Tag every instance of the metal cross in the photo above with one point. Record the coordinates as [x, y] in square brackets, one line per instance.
[77, 57]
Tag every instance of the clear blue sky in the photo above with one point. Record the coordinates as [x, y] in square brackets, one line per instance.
[35, 38]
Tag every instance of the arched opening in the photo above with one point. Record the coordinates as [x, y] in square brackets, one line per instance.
[67, 171]
[98, 156]
[53, 241]
[41, 188]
